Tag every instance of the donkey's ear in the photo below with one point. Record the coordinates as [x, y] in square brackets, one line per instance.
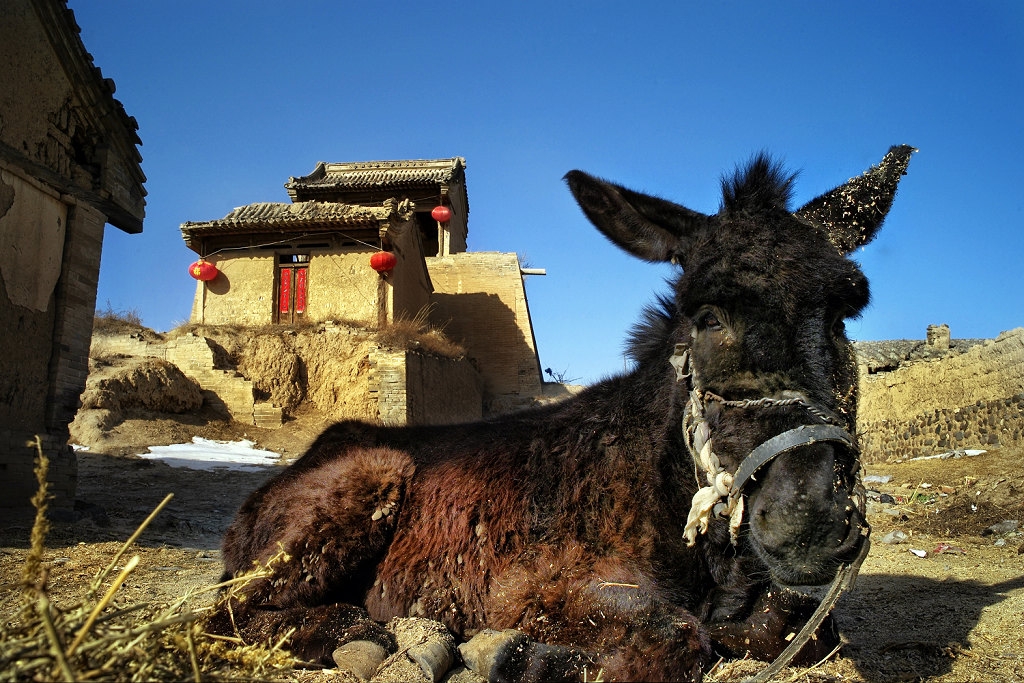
[851, 214]
[650, 228]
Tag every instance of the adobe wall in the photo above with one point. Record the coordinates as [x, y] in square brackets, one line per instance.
[973, 399]
[409, 285]
[49, 267]
[48, 323]
[479, 300]
[415, 389]
[340, 285]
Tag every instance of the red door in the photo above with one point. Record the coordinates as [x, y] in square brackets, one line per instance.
[291, 293]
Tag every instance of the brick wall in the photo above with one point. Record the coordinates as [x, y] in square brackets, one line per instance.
[479, 300]
[415, 389]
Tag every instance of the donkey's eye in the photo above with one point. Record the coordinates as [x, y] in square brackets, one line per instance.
[706, 320]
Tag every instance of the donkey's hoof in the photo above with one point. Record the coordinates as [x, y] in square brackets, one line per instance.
[361, 658]
[435, 657]
[489, 647]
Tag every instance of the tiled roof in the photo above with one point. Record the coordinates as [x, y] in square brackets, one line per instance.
[373, 175]
[282, 217]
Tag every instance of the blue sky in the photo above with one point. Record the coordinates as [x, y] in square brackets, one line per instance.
[232, 98]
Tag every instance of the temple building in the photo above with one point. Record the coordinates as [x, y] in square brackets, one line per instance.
[318, 258]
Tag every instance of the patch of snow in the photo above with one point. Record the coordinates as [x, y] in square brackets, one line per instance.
[970, 452]
[208, 454]
[77, 447]
[877, 479]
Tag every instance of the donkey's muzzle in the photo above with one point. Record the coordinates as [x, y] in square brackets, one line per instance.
[806, 515]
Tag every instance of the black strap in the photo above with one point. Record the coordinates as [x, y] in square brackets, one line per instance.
[804, 435]
[845, 578]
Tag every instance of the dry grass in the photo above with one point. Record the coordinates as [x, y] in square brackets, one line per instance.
[98, 638]
[417, 334]
[404, 334]
[125, 321]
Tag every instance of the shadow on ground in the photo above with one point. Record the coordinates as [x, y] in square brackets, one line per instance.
[900, 628]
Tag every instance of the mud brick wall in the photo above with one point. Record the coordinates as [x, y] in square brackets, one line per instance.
[49, 299]
[416, 389]
[973, 399]
[479, 300]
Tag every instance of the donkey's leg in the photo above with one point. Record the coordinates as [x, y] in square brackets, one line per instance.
[312, 633]
[589, 615]
[327, 527]
[777, 615]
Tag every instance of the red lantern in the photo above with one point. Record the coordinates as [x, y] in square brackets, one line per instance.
[202, 270]
[383, 261]
[441, 214]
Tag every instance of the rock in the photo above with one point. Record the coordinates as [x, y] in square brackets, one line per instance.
[877, 479]
[361, 658]
[893, 537]
[1007, 526]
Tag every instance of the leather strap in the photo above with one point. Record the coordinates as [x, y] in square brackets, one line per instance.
[845, 578]
[804, 435]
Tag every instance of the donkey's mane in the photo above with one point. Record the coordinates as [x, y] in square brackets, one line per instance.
[761, 185]
[649, 337]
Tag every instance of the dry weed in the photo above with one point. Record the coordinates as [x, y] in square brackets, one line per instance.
[97, 639]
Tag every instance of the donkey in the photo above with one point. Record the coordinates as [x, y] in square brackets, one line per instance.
[649, 523]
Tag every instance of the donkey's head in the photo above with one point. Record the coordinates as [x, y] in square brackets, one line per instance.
[767, 377]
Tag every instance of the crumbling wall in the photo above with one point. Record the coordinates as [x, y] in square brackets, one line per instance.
[411, 388]
[973, 399]
[479, 300]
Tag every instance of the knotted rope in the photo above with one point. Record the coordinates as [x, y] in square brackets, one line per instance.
[718, 493]
[723, 493]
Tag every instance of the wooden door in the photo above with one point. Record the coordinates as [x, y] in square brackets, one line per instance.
[291, 293]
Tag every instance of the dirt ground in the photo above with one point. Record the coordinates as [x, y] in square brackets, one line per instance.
[956, 614]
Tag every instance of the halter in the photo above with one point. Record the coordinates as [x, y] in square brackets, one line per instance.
[723, 494]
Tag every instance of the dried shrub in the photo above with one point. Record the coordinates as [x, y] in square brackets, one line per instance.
[417, 334]
[93, 640]
[123, 321]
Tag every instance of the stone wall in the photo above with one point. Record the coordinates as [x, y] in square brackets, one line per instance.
[68, 165]
[415, 389]
[479, 300]
[224, 389]
[973, 399]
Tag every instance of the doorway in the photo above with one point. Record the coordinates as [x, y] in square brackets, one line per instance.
[291, 288]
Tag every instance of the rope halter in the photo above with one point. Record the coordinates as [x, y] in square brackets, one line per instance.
[723, 494]
[721, 491]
